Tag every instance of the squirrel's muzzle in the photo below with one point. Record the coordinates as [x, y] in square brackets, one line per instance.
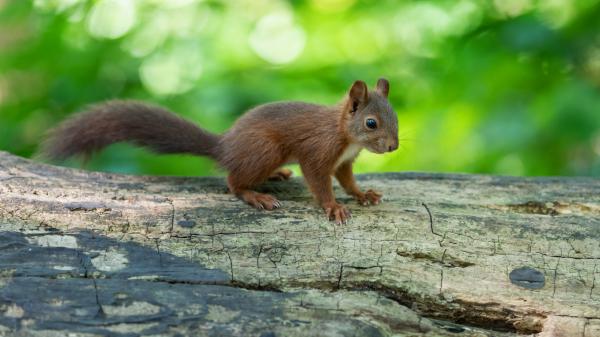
[392, 145]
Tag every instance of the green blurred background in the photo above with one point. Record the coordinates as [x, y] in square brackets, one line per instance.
[505, 87]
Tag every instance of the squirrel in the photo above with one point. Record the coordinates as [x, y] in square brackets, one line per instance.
[324, 140]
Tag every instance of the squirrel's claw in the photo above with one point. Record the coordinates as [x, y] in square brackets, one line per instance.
[370, 197]
[261, 201]
[338, 213]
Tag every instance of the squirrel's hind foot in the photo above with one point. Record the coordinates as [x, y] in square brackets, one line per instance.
[281, 175]
[260, 200]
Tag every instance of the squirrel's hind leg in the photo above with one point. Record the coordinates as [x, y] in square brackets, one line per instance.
[251, 168]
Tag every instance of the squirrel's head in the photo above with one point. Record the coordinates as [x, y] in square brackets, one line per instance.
[373, 123]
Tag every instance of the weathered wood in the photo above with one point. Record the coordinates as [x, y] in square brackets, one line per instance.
[96, 253]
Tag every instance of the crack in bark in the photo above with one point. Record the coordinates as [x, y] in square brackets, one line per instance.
[430, 219]
[100, 313]
[554, 277]
[441, 280]
[260, 249]
[490, 316]
[446, 260]
[213, 234]
[568, 257]
[440, 242]
[230, 265]
[157, 243]
[86, 275]
[339, 281]
[170, 201]
[231, 284]
[442, 271]
[593, 280]
[365, 267]
[573, 316]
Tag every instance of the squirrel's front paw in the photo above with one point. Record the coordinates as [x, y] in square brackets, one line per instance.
[337, 212]
[370, 197]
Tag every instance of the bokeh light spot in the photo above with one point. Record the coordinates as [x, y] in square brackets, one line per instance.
[512, 8]
[557, 12]
[111, 19]
[418, 26]
[276, 38]
[172, 73]
[148, 37]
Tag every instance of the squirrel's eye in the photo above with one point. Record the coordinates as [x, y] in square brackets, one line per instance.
[371, 123]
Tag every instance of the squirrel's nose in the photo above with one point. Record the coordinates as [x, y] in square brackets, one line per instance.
[393, 146]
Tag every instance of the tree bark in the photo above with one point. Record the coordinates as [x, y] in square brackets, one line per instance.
[91, 253]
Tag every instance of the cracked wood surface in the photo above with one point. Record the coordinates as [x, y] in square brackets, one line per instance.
[105, 254]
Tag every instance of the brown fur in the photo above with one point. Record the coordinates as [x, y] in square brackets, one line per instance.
[119, 121]
[259, 143]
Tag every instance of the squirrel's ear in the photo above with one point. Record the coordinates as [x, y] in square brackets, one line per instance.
[383, 87]
[358, 94]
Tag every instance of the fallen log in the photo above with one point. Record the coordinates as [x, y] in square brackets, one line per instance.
[91, 253]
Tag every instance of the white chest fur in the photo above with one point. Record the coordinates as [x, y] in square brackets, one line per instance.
[349, 154]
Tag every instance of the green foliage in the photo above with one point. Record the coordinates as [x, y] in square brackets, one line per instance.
[505, 87]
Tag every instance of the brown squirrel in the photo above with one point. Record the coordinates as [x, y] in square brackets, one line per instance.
[323, 140]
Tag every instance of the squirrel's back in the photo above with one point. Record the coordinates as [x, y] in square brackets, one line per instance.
[288, 121]
[128, 121]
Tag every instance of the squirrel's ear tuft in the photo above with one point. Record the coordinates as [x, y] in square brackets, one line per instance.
[358, 94]
[383, 87]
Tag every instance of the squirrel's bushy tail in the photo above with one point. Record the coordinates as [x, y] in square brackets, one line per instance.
[128, 121]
